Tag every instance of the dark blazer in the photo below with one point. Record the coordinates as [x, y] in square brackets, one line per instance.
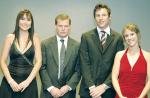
[49, 69]
[96, 63]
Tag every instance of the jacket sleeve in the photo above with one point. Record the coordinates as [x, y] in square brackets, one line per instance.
[74, 80]
[85, 62]
[45, 79]
[120, 46]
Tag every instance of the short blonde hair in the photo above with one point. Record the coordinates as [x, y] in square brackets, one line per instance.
[62, 17]
[134, 28]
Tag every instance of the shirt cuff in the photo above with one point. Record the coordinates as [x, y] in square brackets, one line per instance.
[50, 88]
[91, 87]
[106, 86]
[69, 88]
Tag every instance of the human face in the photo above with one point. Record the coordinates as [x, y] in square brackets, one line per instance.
[62, 28]
[102, 18]
[25, 23]
[131, 38]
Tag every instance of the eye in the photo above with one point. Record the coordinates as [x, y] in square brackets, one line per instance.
[28, 19]
[132, 34]
[97, 15]
[66, 26]
[125, 36]
[22, 18]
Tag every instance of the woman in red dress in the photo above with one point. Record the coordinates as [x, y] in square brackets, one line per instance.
[131, 70]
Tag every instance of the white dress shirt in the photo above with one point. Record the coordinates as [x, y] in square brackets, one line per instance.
[59, 43]
[107, 30]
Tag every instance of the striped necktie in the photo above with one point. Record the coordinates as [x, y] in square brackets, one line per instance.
[103, 38]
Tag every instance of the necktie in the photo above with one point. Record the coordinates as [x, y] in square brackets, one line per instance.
[103, 38]
[62, 57]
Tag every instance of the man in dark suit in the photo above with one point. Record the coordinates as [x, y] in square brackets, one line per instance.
[97, 52]
[60, 71]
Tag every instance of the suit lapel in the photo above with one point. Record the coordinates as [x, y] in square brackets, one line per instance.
[68, 52]
[97, 40]
[55, 50]
[108, 41]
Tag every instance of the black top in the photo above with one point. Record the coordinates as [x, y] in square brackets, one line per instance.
[18, 65]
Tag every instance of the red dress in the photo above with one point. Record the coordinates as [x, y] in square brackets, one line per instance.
[132, 80]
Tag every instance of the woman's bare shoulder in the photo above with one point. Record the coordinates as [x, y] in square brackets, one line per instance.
[10, 38]
[146, 54]
[120, 53]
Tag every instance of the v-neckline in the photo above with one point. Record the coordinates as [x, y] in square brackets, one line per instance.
[134, 65]
[26, 49]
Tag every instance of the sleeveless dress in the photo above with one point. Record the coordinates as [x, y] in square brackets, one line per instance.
[19, 69]
[132, 80]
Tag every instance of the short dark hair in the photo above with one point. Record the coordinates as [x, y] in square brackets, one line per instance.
[99, 6]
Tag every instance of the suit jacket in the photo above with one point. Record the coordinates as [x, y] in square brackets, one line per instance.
[50, 65]
[96, 63]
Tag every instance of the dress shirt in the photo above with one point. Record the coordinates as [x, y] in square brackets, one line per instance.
[107, 30]
[59, 43]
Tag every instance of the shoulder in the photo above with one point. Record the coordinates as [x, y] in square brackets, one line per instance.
[74, 42]
[115, 33]
[90, 32]
[36, 39]
[119, 54]
[146, 55]
[49, 40]
[36, 36]
[10, 38]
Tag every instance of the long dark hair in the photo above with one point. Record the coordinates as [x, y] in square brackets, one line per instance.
[17, 28]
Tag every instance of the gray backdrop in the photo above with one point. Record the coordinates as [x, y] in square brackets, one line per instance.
[81, 12]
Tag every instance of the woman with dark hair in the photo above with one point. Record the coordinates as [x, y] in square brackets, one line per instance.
[22, 47]
[131, 70]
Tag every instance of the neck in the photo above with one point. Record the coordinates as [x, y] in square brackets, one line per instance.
[133, 50]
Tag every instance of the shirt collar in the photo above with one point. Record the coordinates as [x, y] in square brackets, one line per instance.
[59, 38]
[107, 30]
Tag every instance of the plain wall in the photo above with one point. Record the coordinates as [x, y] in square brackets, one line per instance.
[81, 13]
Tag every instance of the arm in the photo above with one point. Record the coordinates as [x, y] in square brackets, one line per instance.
[37, 65]
[4, 56]
[75, 78]
[115, 74]
[85, 62]
[147, 86]
[45, 79]
[120, 46]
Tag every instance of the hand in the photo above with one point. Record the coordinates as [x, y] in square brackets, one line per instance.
[64, 90]
[14, 85]
[55, 92]
[24, 84]
[122, 97]
[97, 97]
[97, 91]
[139, 97]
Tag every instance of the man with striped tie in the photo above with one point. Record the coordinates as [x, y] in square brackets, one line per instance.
[97, 52]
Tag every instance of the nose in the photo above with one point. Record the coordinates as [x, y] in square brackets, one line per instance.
[129, 37]
[63, 28]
